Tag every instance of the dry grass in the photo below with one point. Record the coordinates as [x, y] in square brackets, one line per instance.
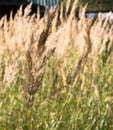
[81, 63]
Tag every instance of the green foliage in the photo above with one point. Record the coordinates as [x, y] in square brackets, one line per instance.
[66, 109]
[97, 5]
[63, 101]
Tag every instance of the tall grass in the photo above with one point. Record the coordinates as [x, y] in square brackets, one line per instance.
[56, 71]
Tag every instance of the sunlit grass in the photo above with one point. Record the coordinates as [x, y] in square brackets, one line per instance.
[56, 78]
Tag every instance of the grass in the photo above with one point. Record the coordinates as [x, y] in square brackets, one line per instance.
[56, 74]
[98, 6]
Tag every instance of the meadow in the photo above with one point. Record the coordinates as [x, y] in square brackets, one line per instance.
[56, 72]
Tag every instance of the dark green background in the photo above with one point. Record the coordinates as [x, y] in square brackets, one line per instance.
[96, 5]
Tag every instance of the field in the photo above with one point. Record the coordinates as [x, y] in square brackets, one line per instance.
[56, 72]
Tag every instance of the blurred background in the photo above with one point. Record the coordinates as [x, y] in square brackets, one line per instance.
[95, 5]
